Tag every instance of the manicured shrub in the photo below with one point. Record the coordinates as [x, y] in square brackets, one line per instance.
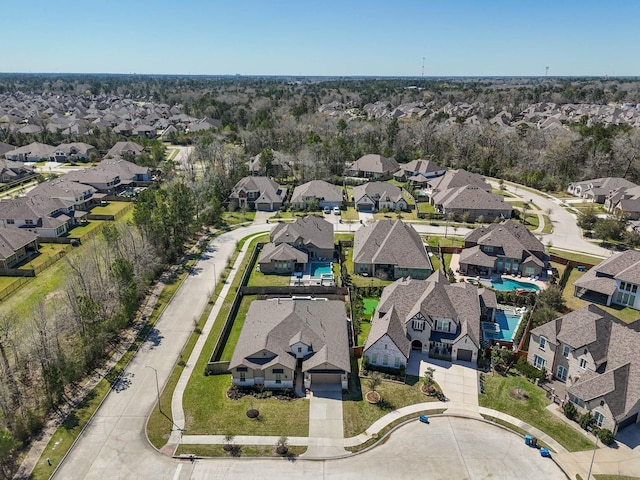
[606, 436]
[586, 420]
[570, 410]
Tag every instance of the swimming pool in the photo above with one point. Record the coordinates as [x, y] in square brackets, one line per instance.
[508, 284]
[318, 269]
[504, 328]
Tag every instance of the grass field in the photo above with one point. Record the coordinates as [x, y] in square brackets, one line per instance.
[365, 328]
[370, 305]
[350, 214]
[85, 231]
[449, 241]
[112, 208]
[533, 410]
[548, 226]
[238, 323]
[259, 279]
[577, 257]
[426, 207]
[234, 218]
[46, 251]
[359, 414]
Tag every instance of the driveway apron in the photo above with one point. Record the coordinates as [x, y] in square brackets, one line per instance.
[326, 431]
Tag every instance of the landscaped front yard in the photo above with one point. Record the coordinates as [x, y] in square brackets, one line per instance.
[533, 410]
[234, 218]
[359, 414]
[411, 215]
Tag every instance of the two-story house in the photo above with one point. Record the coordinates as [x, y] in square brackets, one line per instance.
[427, 316]
[79, 196]
[596, 355]
[377, 196]
[294, 244]
[283, 339]
[390, 249]
[112, 176]
[257, 193]
[613, 281]
[11, 171]
[418, 171]
[596, 190]
[507, 247]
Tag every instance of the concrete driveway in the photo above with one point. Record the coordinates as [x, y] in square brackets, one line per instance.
[366, 218]
[325, 423]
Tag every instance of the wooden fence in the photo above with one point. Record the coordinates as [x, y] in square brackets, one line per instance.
[20, 281]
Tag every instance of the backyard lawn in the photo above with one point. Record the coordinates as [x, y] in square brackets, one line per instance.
[370, 305]
[365, 328]
[577, 257]
[359, 280]
[112, 208]
[359, 414]
[87, 230]
[259, 279]
[533, 410]
[238, 323]
[46, 251]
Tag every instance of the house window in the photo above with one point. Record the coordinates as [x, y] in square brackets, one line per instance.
[599, 418]
[543, 343]
[442, 325]
[299, 349]
[539, 362]
[488, 248]
[10, 221]
[278, 378]
[565, 351]
[583, 363]
[529, 270]
[385, 360]
[243, 376]
[418, 325]
[562, 373]
[576, 400]
[386, 347]
[396, 362]
[28, 221]
[374, 358]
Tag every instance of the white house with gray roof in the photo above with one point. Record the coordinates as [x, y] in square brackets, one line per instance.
[597, 356]
[390, 249]
[376, 196]
[427, 316]
[613, 281]
[258, 193]
[285, 339]
[374, 166]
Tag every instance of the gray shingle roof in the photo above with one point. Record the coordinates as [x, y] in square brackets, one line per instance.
[390, 242]
[269, 190]
[282, 253]
[378, 190]
[12, 239]
[271, 324]
[471, 197]
[318, 189]
[310, 230]
[375, 163]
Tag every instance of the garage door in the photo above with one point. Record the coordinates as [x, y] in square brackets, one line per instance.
[325, 379]
[628, 421]
[365, 208]
[464, 355]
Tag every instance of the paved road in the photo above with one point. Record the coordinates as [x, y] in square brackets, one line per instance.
[566, 233]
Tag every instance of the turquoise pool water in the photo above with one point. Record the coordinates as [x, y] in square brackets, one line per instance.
[320, 268]
[507, 284]
[507, 323]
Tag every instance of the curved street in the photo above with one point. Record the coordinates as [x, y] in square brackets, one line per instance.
[114, 444]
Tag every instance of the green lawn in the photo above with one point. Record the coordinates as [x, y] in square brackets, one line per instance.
[209, 411]
[359, 415]
[112, 208]
[447, 260]
[46, 251]
[370, 305]
[426, 207]
[85, 231]
[504, 193]
[533, 411]
[234, 218]
[449, 241]
[435, 262]
[343, 237]
[259, 279]
[242, 451]
[532, 221]
[625, 314]
[350, 214]
[578, 257]
[238, 323]
[365, 328]
[294, 215]
[548, 226]
[614, 477]
[394, 216]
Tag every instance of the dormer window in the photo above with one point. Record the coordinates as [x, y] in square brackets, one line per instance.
[583, 363]
[565, 351]
[299, 349]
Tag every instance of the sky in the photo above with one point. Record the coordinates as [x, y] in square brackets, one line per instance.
[323, 37]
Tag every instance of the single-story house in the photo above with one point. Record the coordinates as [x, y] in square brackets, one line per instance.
[325, 193]
[373, 166]
[390, 249]
[15, 245]
[419, 170]
[376, 196]
[427, 316]
[286, 339]
[596, 190]
[11, 171]
[596, 355]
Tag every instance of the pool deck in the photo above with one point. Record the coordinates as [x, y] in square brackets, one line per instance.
[455, 265]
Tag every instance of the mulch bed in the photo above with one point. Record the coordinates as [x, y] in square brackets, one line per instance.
[372, 397]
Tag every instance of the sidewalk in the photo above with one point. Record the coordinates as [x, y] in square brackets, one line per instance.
[177, 409]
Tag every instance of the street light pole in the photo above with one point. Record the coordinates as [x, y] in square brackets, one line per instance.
[157, 385]
[593, 457]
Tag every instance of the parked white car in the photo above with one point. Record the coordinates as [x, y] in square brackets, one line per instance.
[336, 210]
